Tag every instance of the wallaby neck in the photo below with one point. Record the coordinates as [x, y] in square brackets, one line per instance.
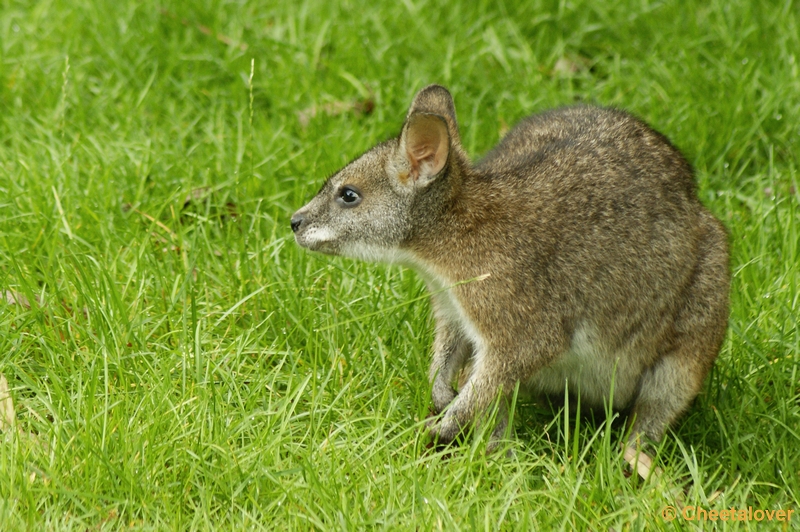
[457, 211]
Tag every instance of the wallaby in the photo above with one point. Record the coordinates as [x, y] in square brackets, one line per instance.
[574, 256]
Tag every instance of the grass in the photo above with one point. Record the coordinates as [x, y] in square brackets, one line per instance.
[181, 364]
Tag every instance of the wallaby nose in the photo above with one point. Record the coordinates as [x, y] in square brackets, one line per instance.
[297, 221]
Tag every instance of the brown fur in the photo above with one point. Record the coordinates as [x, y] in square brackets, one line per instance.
[587, 256]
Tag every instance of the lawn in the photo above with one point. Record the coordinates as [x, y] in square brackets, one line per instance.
[176, 362]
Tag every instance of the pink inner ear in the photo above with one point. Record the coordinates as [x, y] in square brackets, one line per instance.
[422, 151]
[427, 145]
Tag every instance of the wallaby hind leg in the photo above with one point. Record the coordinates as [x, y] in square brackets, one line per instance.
[668, 388]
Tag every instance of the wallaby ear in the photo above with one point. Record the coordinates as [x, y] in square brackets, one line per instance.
[427, 146]
[436, 100]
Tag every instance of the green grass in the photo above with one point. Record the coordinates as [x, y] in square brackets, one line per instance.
[184, 365]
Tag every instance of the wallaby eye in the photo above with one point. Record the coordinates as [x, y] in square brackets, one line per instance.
[349, 196]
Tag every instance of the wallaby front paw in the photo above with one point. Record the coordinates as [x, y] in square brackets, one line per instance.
[444, 430]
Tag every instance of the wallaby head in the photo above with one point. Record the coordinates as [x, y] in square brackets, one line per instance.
[368, 209]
